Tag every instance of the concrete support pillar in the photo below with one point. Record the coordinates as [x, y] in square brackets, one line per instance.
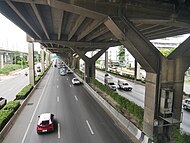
[42, 59]
[1, 61]
[47, 59]
[75, 63]
[138, 71]
[90, 63]
[106, 61]
[164, 78]
[31, 63]
[5, 57]
[89, 70]
[150, 102]
[163, 99]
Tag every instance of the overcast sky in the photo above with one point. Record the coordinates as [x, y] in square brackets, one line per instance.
[12, 37]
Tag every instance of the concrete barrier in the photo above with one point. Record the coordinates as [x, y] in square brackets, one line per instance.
[140, 136]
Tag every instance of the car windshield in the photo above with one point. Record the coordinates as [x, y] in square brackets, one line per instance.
[125, 84]
[111, 83]
[76, 79]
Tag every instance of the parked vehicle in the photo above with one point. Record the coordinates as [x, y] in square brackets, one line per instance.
[108, 81]
[3, 102]
[45, 123]
[123, 84]
[186, 104]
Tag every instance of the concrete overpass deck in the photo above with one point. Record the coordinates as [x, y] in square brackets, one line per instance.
[66, 27]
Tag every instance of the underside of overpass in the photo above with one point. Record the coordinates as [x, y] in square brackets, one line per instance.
[68, 27]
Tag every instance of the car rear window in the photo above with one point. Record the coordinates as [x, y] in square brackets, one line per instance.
[45, 122]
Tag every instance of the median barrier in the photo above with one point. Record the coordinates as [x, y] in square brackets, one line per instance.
[138, 134]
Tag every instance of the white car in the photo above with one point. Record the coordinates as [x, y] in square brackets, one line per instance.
[62, 71]
[186, 104]
[75, 81]
[3, 102]
[69, 71]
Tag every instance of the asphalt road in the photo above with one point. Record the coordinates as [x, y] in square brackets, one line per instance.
[14, 84]
[137, 96]
[79, 118]
[10, 87]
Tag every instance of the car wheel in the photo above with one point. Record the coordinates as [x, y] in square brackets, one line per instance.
[184, 107]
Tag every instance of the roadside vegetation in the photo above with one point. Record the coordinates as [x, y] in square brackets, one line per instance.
[9, 68]
[129, 109]
[11, 107]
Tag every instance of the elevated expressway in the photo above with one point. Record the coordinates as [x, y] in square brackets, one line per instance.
[66, 27]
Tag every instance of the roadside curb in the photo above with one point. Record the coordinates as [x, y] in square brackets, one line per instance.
[11, 122]
[138, 134]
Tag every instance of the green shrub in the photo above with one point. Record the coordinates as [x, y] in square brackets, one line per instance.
[5, 115]
[12, 105]
[24, 92]
[123, 103]
[179, 136]
[8, 68]
[37, 78]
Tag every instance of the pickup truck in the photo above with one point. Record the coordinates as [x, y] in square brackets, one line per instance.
[186, 103]
[108, 81]
[3, 102]
[122, 84]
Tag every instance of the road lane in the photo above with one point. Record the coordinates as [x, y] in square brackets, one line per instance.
[79, 118]
[137, 96]
[10, 87]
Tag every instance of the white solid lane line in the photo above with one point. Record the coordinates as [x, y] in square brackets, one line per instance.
[76, 98]
[23, 140]
[59, 131]
[89, 127]
[57, 86]
[57, 98]
[57, 79]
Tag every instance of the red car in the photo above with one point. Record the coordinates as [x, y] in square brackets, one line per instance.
[45, 123]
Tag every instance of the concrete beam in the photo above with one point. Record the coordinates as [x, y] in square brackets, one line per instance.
[142, 50]
[96, 34]
[76, 9]
[40, 19]
[89, 29]
[80, 44]
[76, 26]
[60, 22]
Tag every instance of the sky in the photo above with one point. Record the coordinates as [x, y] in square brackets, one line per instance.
[12, 37]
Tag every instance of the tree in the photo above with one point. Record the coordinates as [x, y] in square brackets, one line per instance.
[166, 52]
[121, 54]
